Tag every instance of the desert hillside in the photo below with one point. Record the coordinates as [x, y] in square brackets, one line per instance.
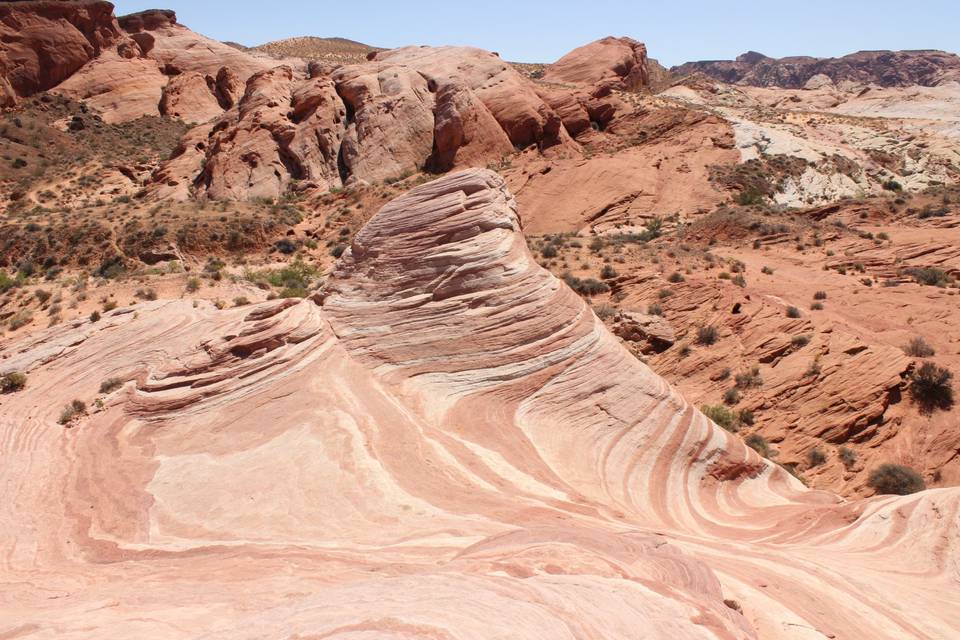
[319, 339]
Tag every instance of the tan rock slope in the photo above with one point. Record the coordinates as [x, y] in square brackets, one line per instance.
[432, 446]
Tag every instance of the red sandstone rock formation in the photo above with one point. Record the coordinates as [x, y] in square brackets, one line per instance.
[43, 42]
[619, 62]
[433, 445]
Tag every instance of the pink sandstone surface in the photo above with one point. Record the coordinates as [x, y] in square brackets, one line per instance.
[431, 446]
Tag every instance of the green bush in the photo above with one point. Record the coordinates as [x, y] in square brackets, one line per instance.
[793, 312]
[549, 251]
[722, 416]
[676, 277]
[13, 381]
[608, 272]
[895, 479]
[654, 309]
[820, 295]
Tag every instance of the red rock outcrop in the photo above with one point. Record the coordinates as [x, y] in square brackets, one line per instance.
[407, 110]
[163, 69]
[472, 469]
[43, 42]
[618, 62]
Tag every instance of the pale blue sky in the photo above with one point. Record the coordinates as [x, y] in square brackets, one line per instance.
[542, 31]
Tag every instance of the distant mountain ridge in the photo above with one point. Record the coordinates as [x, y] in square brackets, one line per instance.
[927, 68]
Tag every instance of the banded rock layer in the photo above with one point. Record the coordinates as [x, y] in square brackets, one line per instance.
[443, 442]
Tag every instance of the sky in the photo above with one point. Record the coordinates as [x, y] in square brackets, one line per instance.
[542, 31]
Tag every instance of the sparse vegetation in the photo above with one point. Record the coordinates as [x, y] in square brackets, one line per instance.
[932, 387]
[707, 335]
[847, 456]
[759, 444]
[110, 385]
[749, 379]
[793, 312]
[676, 277]
[816, 457]
[895, 479]
[919, 348]
[72, 411]
[731, 396]
[722, 416]
[13, 381]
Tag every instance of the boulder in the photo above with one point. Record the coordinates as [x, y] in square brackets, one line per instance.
[619, 62]
[652, 334]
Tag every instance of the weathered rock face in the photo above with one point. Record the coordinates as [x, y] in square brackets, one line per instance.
[163, 69]
[43, 42]
[475, 442]
[883, 68]
[409, 109]
[619, 62]
[281, 130]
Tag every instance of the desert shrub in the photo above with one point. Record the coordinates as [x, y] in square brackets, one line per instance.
[731, 396]
[895, 479]
[110, 305]
[549, 251]
[193, 285]
[793, 312]
[42, 295]
[241, 301]
[749, 379]
[110, 385]
[338, 250]
[597, 244]
[759, 444]
[800, 341]
[767, 270]
[930, 276]
[816, 457]
[750, 196]
[721, 415]
[820, 295]
[20, 319]
[883, 235]
[654, 309]
[146, 294]
[746, 417]
[6, 282]
[918, 348]
[739, 280]
[95, 316]
[72, 411]
[930, 211]
[676, 277]
[816, 306]
[725, 374]
[608, 272]
[847, 456]
[285, 246]
[13, 381]
[932, 387]
[663, 294]
[724, 275]
[892, 185]
[605, 311]
[707, 334]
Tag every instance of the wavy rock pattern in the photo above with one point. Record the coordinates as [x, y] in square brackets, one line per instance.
[444, 442]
